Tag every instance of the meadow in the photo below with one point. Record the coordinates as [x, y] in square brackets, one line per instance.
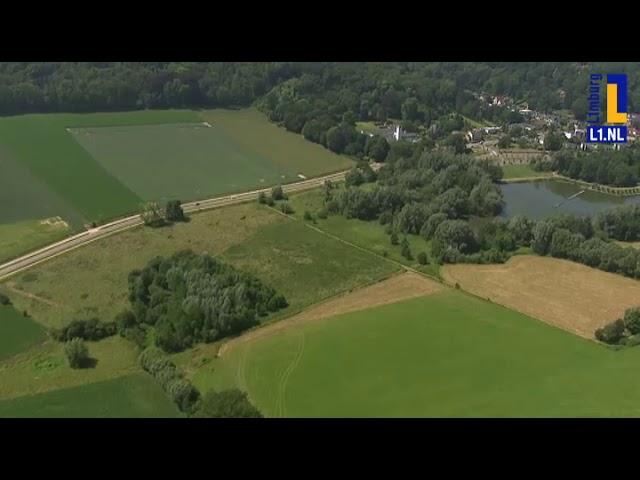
[368, 235]
[92, 281]
[522, 171]
[444, 355]
[132, 396]
[17, 332]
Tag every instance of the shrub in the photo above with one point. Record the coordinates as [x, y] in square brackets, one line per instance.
[125, 320]
[277, 193]
[91, 329]
[307, 216]
[4, 300]
[422, 258]
[322, 214]
[611, 333]
[174, 212]
[286, 208]
[394, 238]
[632, 320]
[77, 353]
[262, 198]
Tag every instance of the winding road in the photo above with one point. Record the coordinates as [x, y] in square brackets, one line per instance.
[76, 241]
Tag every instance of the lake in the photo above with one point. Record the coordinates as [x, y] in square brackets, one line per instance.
[546, 198]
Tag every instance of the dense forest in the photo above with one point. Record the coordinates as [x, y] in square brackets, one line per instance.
[193, 298]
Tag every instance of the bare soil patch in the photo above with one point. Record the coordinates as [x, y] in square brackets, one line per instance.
[397, 288]
[571, 296]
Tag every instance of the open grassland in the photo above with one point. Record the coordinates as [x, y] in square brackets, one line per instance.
[368, 235]
[132, 396]
[28, 235]
[44, 367]
[568, 295]
[92, 281]
[445, 355]
[399, 287]
[17, 332]
[250, 130]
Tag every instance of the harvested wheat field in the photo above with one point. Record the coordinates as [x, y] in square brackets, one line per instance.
[571, 296]
[399, 287]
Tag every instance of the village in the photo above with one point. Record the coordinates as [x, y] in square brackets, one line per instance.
[526, 135]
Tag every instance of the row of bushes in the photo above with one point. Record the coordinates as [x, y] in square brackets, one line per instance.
[90, 329]
[182, 392]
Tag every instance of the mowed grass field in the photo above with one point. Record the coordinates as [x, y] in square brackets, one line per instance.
[568, 295]
[522, 171]
[444, 355]
[17, 332]
[132, 396]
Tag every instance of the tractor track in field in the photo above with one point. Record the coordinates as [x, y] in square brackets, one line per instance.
[281, 407]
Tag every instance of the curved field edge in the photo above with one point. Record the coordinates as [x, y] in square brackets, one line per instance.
[401, 286]
[446, 354]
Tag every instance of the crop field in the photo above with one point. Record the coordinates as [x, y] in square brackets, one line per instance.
[17, 332]
[18, 238]
[256, 136]
[134, 396]
[568, 295]
[447, 354]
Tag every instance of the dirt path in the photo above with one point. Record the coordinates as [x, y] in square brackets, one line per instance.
[12, 288]
[397, 288]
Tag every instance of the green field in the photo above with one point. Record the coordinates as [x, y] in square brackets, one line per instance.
[96, 167]
[132, 396]
[18, 238]
[522, 171]
[368, 235]
[445, 355]
[303, 264]
[17, 332]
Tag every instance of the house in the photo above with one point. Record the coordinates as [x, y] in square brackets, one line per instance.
[400, 134]
[475, 135]
[491, 130]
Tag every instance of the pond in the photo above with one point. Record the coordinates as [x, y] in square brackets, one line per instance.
[547, 198]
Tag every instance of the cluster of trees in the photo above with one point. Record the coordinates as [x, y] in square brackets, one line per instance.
[623, 331]
[191, 298]
[619, 168]
[415, 193]
[231, 403]
[154, 215]
[182, 392]
[620, 223]
[90, 329]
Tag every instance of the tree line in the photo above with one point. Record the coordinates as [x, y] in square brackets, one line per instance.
[619, 168]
